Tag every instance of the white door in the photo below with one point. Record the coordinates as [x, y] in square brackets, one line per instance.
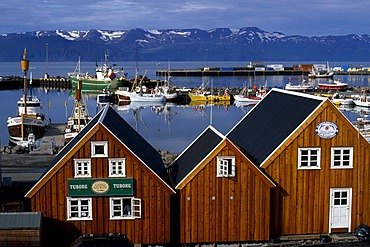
[340, 208]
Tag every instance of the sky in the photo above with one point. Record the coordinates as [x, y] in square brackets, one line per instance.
[290, 17]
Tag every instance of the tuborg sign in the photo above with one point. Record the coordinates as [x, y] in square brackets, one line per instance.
[100, 187]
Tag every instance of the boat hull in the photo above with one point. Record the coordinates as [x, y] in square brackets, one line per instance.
[147, 98]
[30, 125]
[298, 88]
[209, 98]
[332, 86]
[92, 84]
[251, 99]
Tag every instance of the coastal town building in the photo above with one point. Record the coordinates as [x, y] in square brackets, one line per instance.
[108, 179]
[318, 160]
[224, 197]
[293, 165]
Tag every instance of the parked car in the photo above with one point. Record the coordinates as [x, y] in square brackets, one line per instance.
[106, 240]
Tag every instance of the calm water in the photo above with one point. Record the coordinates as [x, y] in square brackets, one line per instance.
[168, 127]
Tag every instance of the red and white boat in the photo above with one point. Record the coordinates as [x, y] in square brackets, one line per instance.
[334, 85]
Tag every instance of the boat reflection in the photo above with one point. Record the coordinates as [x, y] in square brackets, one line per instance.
[244, 106]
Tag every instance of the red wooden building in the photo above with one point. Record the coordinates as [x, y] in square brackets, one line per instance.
[318, 160]
[108, 179]
[224, 197]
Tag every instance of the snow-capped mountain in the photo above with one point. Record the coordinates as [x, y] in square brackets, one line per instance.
[219, 44]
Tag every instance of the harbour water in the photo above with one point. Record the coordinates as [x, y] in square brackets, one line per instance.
[167, 127]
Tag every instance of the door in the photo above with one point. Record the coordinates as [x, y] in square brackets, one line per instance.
[340, 208]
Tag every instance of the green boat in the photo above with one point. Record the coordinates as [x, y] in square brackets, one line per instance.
[106, 77]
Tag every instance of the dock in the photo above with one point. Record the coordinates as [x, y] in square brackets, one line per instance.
[19, 165]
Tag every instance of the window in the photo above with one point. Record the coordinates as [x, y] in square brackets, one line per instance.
[79, 208]
[125, 208]
[82, 168]
[309, 158]
[117, 167]
[342, 157]
[225, 166]
[99, 149]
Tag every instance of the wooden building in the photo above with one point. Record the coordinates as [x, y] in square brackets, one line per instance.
[21, 229]
[318, 160]
[224, 197]
[108, 179]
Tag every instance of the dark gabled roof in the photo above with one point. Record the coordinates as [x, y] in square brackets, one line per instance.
[133, 141]
[195, 153]
[271, 121]
[20, 220]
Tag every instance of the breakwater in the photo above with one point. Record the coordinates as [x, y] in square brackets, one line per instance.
[246, 72]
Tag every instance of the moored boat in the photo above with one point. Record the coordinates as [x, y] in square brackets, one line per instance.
[361, 100]
[334, 85]
[315, 73]
[246, 96]
[79, 118]
[203, 94]
[29, 124]
[302, 87]
[106, 77]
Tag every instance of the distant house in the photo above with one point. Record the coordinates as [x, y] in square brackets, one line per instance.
[108, 179]
[224, 197]
[318, 160]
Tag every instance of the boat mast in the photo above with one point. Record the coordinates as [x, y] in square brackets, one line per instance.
[78, 99]
[25, 67]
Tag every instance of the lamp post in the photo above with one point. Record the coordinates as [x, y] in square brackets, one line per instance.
[24, 66]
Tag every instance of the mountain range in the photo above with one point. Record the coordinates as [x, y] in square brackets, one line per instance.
[219, 44]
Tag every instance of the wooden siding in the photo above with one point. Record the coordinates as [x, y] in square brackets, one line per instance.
[154, 225]
[20, 237]
[239, 211]
[300, 204]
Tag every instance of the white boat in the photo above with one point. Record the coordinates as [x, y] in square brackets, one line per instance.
[79, 118]
[315, 73]
[147, 97]
[165, 88]
[339, 99]
[361, 100]
[248, 97]
[302, 87]
[29, 124]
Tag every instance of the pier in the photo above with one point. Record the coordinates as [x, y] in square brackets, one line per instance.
[246, 72]
[14, 82]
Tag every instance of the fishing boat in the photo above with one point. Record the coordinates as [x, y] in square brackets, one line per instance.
[315, 73]
[302, 87]
[139, 92]
[340, 99]
[79, 118]
[165, 88]
[29, 124]
[106, 97]
[361, 100]
[334, 85]
[106, 77]
[203, 94]
[247, 95]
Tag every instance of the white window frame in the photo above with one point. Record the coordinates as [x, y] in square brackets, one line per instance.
[309, 156]
[80, 208]
[80, 164]
[99, 143]
[341, 156]
[135, 212]
[116, 164]
[224, 169]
